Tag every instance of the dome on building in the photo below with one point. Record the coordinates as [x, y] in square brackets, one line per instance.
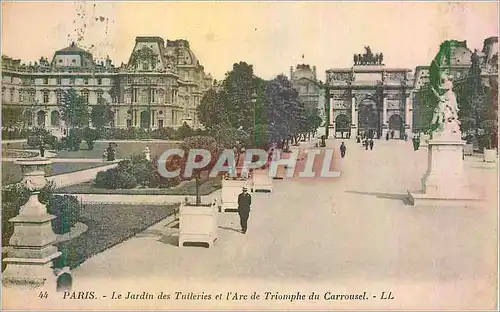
[72, 56]
[304, 71]
[181, 48]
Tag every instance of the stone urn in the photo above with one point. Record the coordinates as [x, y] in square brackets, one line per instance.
[29, 259]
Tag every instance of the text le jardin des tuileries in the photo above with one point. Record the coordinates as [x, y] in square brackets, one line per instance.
[229, 296]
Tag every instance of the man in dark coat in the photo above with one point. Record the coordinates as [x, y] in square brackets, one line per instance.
[342, 150]
[371, 144]
[42, 150]
[244, 202]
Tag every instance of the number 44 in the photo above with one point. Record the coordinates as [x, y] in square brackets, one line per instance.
[43, 295]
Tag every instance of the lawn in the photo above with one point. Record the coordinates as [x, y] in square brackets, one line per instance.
[108, 226]
[11, 172]
[189, 188]
[124, 149]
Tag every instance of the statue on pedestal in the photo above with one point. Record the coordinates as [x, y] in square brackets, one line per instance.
[445, 119]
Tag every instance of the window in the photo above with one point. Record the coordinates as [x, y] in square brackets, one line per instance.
[59, 96]
[45, 97]
[99, 81]
[59, 80]
[86, 81]
[134, 95]
[152, 97]
[160, 123]
[99, 97]
[71, 81]
[31, 96]
[60, 60]
[85, 95]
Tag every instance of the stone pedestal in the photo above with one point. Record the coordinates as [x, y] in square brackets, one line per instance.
[444, 183]
[29, 260]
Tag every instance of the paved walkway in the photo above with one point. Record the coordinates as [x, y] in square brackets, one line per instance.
[345, 235]
[72, 178]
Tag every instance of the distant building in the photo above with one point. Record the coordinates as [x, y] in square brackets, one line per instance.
[304, 80]
[454, 57]
[160, 86]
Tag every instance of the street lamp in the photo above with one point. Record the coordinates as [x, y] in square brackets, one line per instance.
[254, 101]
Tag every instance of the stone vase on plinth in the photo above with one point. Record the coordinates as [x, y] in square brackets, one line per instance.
[29, 259]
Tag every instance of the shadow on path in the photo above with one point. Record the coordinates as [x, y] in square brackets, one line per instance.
[229, 229]
[401, 197]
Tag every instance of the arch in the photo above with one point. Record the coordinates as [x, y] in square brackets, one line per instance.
[40, 118]
[396, 126]
[342, 123]
[145, 119]
[368, 116]
[55, 118]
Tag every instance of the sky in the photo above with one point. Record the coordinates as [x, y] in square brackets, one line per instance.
[272, 36]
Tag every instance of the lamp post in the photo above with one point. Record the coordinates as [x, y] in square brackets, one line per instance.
[254, 102]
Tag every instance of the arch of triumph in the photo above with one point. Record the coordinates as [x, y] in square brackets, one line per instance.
[368, 97]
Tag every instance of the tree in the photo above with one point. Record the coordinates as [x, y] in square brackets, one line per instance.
[74, 108]
[477, 111]
[285, 112]
[101, 115]
[12, 117]
[237, 94]
[211, 111]
[205, 143]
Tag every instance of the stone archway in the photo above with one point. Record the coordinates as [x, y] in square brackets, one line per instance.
[368, 118]
[342, 125]
[396, 126]
[55, 119]
[145, 119]
[40, 118]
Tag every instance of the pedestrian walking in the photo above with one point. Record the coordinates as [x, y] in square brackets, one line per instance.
[342, 150]
[244, 202]
[42, 150]
[110, 152]
[366, 144]
[371, 144]
[387, 136]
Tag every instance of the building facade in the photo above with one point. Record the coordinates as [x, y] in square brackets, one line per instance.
[454, 58]
[160, 86]
[369, 98]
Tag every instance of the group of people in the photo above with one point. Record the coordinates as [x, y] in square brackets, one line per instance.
[366, 140]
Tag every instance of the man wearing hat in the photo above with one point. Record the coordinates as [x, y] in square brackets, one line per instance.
[244, 202]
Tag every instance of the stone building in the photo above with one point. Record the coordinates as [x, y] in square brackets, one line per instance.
[160, 86]
[305, 82]
[369, 98]
[453, 57]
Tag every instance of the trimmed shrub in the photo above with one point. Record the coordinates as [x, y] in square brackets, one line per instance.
[115, 178]
[74, 139]
[67, 209]
[90, 136]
